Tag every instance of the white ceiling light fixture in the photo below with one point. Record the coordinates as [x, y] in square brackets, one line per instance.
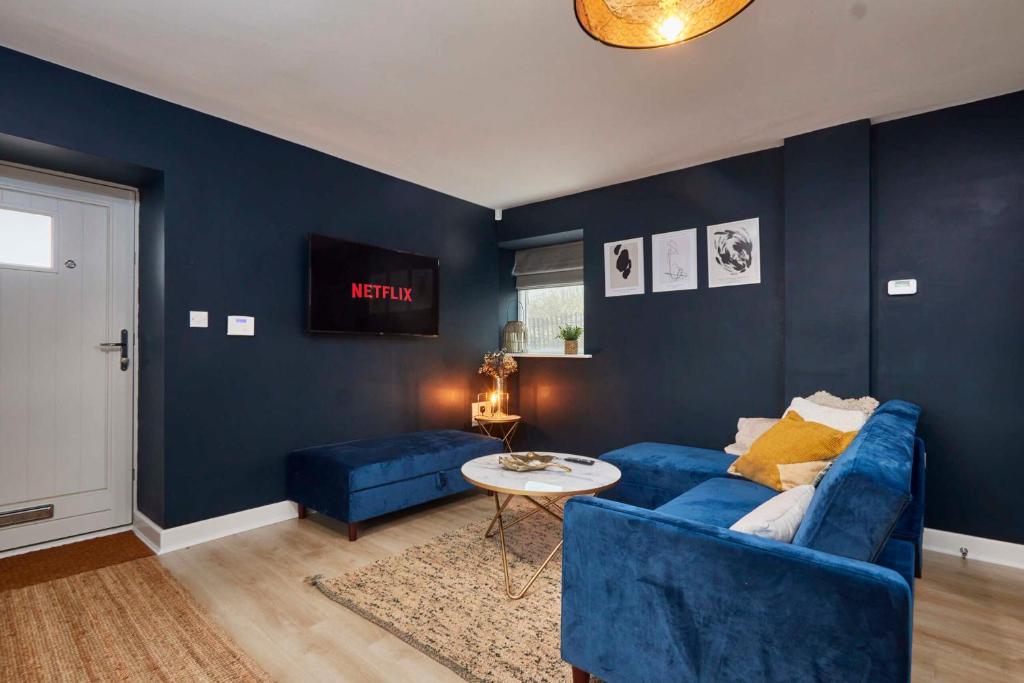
[643, 24]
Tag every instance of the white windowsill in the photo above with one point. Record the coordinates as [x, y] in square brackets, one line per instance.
[550, 355]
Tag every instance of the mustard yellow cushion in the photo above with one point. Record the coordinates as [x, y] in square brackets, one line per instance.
[793, 440]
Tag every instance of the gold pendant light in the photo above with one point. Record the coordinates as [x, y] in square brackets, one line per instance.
[653, 23]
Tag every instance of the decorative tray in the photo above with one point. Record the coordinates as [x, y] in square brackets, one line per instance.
[528, 462]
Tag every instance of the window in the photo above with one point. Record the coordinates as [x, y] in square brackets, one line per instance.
[549, 281]
[26, 239]
[546, 309]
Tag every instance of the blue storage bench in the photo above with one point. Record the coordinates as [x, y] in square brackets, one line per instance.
[356, 480]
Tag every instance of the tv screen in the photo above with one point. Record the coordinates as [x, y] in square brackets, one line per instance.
[359, 288]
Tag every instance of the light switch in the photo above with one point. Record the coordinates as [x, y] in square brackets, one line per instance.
[198, 319]
[241, 326]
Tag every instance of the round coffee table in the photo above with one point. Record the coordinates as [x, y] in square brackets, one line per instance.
[551, 485]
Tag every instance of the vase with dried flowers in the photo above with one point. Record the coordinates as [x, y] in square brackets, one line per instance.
[499, 365]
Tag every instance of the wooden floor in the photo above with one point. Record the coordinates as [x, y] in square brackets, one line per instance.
[968, 623]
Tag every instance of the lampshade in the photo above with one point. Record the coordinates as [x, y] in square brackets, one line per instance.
[653, 23]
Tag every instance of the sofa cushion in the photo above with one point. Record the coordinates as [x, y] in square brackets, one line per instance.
[779, 517]
[860, 499]
[838, 419]
[655, 473]
[749, 430]
[793, 440]
[803, 473]
[384, 460]
[719, 502]
[865, 404]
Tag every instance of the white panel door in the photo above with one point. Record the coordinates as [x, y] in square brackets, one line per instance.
[67, 286]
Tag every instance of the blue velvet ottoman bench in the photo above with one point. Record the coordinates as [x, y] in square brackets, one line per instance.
[356, 480]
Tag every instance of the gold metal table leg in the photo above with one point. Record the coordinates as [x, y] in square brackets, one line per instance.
[507, 438]
[497, 515]
[503, 431]
[545, 507]
[499, 508]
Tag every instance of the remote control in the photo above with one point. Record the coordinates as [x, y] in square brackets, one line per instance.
[581, 461]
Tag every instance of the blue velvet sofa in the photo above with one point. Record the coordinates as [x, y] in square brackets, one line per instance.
[355, 480]
[657, 588]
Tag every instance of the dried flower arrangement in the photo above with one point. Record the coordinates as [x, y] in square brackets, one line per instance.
[499, 364]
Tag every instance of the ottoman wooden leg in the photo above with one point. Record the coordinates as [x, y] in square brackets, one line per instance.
[353, 531]
[302, 511]
[579, 675]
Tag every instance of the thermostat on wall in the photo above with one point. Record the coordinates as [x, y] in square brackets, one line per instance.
[902, 287]
[241, 326]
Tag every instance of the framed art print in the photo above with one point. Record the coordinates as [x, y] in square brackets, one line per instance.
[734, 253]
[624, 267]
[674, 261]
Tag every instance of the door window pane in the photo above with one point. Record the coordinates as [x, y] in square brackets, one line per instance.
[26, 239]
[547, 309]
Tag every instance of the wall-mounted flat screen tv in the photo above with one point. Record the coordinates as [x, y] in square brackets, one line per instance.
[362, 289]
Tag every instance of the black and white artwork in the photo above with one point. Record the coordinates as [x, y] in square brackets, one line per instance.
[674, 261]
[734, 253]
[624, 267]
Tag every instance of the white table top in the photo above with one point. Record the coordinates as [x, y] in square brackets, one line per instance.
[486, 473]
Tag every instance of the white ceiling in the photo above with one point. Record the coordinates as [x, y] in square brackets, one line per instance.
[506, 102]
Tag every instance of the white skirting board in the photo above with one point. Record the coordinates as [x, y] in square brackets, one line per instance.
[981, 549]
[147, 531]
[166, 540]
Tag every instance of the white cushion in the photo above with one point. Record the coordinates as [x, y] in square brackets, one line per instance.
[836, 418]
[865, 404]
[778, 517]
[749, 430]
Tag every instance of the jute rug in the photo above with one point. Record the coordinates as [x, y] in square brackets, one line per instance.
[130, 621]
[447, 599]
[67, 560]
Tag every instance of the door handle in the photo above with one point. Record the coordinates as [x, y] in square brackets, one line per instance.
[121, 345]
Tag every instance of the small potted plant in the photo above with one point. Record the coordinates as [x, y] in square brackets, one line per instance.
[571, 334]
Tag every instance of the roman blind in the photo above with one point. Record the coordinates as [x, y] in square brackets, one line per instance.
[552, 266]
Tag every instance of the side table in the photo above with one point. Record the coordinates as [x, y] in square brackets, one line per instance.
[500, 427]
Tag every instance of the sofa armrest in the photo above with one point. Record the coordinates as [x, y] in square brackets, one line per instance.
[649, 597]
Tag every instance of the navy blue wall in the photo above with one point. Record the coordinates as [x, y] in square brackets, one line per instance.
[225, 211]
[235, 206]
[678, 367]
[828, 264]
[939, 197]
[948, 202]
